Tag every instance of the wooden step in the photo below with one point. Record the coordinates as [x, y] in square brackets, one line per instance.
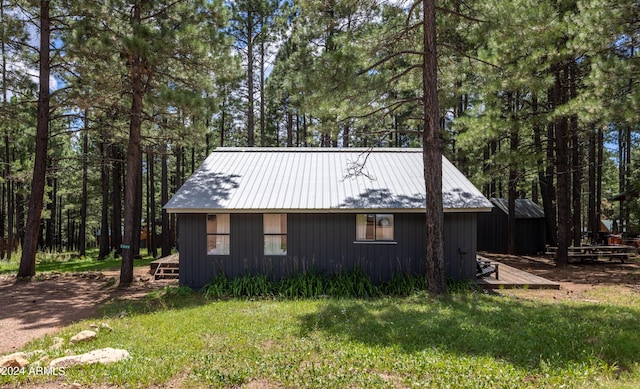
[167, 271]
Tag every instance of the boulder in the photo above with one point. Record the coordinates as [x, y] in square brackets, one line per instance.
[14, 360]
[83, 336]
[104, 356]
[57, 343]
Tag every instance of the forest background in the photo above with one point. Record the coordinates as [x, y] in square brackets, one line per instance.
[537, 99]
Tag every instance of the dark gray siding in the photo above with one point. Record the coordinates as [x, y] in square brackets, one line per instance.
[492, 233]
[325, 243]
[460, 245]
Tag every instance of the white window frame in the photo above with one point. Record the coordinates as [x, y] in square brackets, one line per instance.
[221, 237]
[273, 225]
[375, 228]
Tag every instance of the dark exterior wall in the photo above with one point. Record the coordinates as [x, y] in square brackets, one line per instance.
[324, 242]
[531, 236]
[460, 245]
[492, 233]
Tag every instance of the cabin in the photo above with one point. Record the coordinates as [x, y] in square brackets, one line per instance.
[282, 211]
[530, 228]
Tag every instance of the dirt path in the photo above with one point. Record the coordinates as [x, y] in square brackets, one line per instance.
[30, 310]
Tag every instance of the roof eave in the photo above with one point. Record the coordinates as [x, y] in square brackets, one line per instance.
[331, 210]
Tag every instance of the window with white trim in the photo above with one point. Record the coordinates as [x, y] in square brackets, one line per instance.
[275, 234]
[218, 234]
[374, 227]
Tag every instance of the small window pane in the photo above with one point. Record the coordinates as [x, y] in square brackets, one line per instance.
[275, 245]
[212, 225]
[275, 224]
[218, 224]
[218, 245]
[365, 227]
[384, 227]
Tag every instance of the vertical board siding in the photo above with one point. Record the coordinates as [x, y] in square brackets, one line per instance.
[324, 243]
[493, 233]
[460, 245]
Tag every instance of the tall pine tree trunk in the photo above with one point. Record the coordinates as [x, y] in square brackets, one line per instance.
[593, 223]
[116, 194]
[563, 172]
[27, 267]
[165, 244]
[5, 245]
[576, 162]
[151, 232]
[547, 187]
[50, 222]
[250, 109]
[513, 176]
[82, 233]
[432, 153]
[105, 244]
[599, 161]
[263, 141]
[137, 73]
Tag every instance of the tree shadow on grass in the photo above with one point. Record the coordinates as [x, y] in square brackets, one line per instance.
[168, 298]
[522, 333]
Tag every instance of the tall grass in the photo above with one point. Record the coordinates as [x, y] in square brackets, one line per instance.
[313, 285]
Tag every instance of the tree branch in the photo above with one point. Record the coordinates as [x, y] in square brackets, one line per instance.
[459, 14]
[388, 58]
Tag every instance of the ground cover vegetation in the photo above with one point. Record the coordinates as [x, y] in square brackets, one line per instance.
[535, 98]
[466, 339]
[68, 262]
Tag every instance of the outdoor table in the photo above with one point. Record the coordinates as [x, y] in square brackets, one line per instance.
[594, 252]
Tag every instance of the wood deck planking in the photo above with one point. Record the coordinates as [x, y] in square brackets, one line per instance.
[171, 259]
[510, 278]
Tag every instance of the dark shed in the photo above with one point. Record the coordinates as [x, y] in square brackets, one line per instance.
[530, 227]
[284, 211]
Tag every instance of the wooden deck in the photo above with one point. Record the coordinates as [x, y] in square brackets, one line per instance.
[511, 278]
[166, 267]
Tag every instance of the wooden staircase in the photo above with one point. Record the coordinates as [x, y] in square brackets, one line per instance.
[166, 268]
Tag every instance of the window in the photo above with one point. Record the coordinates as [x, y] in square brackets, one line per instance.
[275, 234]
[218, 234]
[374, 227]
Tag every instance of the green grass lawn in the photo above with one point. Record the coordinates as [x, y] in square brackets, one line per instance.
[67, 263]
[464, 340]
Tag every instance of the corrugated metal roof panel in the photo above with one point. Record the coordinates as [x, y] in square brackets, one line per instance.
[525, 208]
[312, 179]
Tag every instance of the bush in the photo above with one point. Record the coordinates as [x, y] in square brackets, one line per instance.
[312, 285]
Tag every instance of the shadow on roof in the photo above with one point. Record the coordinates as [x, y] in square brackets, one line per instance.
[205, 190]
[383, 199]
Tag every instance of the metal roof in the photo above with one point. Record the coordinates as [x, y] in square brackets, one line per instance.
[525, 208]
[319, 180]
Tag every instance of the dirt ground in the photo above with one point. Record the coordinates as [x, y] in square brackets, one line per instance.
[578, 277]
[33, 309]
[30, 310]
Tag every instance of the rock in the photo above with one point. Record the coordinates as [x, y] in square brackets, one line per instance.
[57, 343]
[103, 356]
[44, 361]
[105, 326]
[83, 336]
[14, 360]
